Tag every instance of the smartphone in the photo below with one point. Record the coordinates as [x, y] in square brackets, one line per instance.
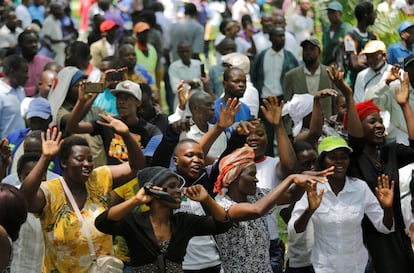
[94, 87]
[115, 76]
[162, 195]
[202, 71]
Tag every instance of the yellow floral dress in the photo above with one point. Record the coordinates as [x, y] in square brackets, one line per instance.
[66, 247]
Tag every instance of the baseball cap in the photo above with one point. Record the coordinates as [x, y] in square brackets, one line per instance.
[404, 26]
[409, 59]
[238, 60]
[373, 46]
[334, 5]
[39, 107]
[140, 27]
[107, 25]
[331, 143]
[313, 40]
[128, 87]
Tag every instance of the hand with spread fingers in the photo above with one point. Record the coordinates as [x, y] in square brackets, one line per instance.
[227, 114]
[337, 77]
[385, 191]
[325, 93]
[272, 110]
[314, 198]
[393, 74]
[51, 142]
[111, 122]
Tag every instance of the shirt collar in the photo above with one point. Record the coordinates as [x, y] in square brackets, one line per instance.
[274, 53]
[317, 71]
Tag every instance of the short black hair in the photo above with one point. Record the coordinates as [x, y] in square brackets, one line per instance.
[13, 62]
[190, 9]
[227, 73]
[67, 145]
[183, 141]
[20, 38]
[362, 9]
[26, 158]
[80, 49]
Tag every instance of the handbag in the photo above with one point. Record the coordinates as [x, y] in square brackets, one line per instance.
[103, 263]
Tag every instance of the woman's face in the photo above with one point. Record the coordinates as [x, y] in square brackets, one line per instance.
[79, 165]
[247, 180]
[257, 140]
[173, 188]
[374, 129]
[339, 158]
[307, 160]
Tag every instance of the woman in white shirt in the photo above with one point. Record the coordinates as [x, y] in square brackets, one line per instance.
[336, 210]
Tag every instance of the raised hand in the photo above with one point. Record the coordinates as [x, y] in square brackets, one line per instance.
[337, 77]
[142, 197]
[5, 152]
[325, 93]
[51, 143]
[227, 114]
[314, 199]
[393, 74]
[183, 94]
[196, 193]
[385, 192]
[113, 123]
[402, 95]
[85, 97]
[245, 126]
[272, 110]
[182, 125]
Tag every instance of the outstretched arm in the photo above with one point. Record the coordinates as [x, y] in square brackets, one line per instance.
[247, 211]
[128, 170]
[199, 193]
[30, 188]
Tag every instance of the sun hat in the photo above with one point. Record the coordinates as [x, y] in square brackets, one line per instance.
[312, 40]
[128, 87]
[373, 46]
[238, 60]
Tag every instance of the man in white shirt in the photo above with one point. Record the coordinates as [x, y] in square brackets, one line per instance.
[10, 31]
[12, 94]
[301, 24]
[106, 45]
[186, 69]
[376, 56]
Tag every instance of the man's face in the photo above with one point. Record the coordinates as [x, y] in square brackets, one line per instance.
[305, 5]
[235, 86]
[375, 60]
[206, 108]
[267, 23]
[29, 45]
[277, 37]
[11, 21]
[371, 18]
[334, 16]
[189, 160]
[19, 77]
[128, 56]
[143, 37]
[184, 52]
[232, 29]
[310, 53]
[408, 35]
[46, 82]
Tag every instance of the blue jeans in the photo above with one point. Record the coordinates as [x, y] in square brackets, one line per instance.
[276, 256]
[127, 269]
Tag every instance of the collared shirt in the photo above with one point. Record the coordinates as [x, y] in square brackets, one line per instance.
[272, 67]
[368, 78]
[109, 47]
[262, 42]
[35, 70]
[397, 52]
[10, 117]
[338, 244]
[312, 80]
[8, 38]
[179, 71]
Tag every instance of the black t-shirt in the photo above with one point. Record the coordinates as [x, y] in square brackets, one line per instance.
[115, 147]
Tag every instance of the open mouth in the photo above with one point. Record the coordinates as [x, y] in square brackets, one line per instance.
[86, 172]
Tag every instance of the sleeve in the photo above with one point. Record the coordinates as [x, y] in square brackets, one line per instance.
[298, 210]
[380, 93]
[174, 79]
[390, 54]
[176, 116]
[164, 151]
[373, 210]
[350, 45]
[198, 41]
[108, 226]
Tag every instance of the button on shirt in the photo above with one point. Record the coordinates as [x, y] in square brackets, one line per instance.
[272, 67]
[312, 80]
[338, 245]
[10, 117]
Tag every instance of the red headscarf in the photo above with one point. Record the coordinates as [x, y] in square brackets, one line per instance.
[364, 109]
[232, 165]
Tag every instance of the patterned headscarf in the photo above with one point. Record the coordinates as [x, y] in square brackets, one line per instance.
[232, 165]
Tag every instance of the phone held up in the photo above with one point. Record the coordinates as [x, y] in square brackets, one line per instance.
[202, 71]
[94, 87]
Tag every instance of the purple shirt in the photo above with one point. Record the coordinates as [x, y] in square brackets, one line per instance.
[35, 70]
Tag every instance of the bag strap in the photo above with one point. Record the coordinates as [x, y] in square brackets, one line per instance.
[84, 228]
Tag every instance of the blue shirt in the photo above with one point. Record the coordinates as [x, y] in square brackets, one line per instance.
[37, 12]
[10, 116]
[397, 53]
[242, 115]
[107, 102]
[141, 69]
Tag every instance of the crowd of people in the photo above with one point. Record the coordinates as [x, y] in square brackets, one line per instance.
[175, 136]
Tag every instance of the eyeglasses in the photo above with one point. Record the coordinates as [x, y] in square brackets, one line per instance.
[181, 183]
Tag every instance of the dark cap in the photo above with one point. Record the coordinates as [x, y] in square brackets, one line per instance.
[312, 40]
